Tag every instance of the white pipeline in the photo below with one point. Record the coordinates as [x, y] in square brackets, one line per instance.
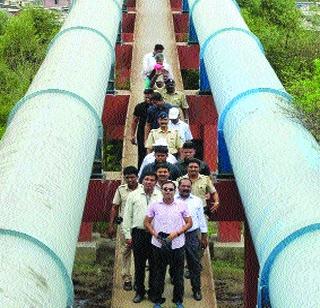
[46, 156]
[275, 160]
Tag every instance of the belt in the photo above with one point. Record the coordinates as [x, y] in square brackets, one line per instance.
[193, 231]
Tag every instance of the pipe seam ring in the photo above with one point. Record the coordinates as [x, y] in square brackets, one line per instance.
[197, 2]
[216, 33]
[73, 3]
[61, 33]
[58, 91]
[67, 279]
[263, 288]
[237, 99]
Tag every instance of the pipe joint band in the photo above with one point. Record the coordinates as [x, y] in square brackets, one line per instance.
[237, 99]
[64, 273]
[61, 33]
[74, 2]
[263, 288]
[198, 1]
[217, 33]
[78, 98]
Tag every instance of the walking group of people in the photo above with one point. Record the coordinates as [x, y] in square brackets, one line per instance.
[161, 207]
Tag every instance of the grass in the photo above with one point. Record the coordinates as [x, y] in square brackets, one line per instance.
[112, 155]
[190, 79]
[229, 275]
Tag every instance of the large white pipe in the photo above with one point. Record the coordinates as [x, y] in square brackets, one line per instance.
[275, 160]
[46, 157]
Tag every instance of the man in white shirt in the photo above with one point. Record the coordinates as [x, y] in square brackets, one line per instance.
[193, 243]
[182, 127]
[149, 60]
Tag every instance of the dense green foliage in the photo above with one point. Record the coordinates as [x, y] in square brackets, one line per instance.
[23, 42]
[293, 51]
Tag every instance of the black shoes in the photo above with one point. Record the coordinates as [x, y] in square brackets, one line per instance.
[153, 299]
[197, 296]
[138, 298]
[127, 286]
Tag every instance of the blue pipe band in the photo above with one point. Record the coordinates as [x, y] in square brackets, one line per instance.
[197, 2]
[52, 255]
[61, 33]
[233, 102]
[263, 290]
[115, 2]
[216, 33]
[54, 91]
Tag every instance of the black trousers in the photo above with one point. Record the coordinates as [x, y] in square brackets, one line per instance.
[142, 251]
[142, 152]
[192, 247]
[175, 259]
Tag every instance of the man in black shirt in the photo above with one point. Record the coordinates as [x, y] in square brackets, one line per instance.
[187, 152]
[139, 119]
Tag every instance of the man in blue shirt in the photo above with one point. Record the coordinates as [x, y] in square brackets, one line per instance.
[158, 106]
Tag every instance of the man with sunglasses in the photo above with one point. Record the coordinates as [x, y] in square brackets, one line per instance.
[167, 221]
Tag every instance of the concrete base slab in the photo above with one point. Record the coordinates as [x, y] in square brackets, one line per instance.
[95, 251]
[86, 252]
[226, 251]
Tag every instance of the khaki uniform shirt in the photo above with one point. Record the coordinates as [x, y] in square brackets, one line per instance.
[177, 99]
[120, 197]
[136, 209]
[172, 136]
[201, 186]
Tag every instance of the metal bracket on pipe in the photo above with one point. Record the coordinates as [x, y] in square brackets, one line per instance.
[56, 259]
[216, 33]
[263, 288]
[56, 91]
[193, 38]
[185, 6]
[204, 83]
[233, 102]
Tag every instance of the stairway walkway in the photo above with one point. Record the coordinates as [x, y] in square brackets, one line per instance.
[154, 24]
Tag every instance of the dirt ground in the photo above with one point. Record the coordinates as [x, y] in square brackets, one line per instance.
[93, 282]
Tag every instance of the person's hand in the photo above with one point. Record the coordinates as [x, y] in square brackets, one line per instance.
[173, 235]
[111, 231]
[133, 140]
[207, 196]
[204, 242]
[214, 206]
[129, 243]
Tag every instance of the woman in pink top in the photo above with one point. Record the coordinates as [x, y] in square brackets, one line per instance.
[167, 221]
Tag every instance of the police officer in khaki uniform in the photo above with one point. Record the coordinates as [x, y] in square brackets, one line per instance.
[119, 200]
[164, 132]
[202, 185]
[176, 98]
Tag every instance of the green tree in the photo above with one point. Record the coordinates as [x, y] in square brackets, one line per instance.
[4, 17]
[23, 43]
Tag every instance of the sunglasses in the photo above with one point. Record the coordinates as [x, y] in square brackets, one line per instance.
[168, 189]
